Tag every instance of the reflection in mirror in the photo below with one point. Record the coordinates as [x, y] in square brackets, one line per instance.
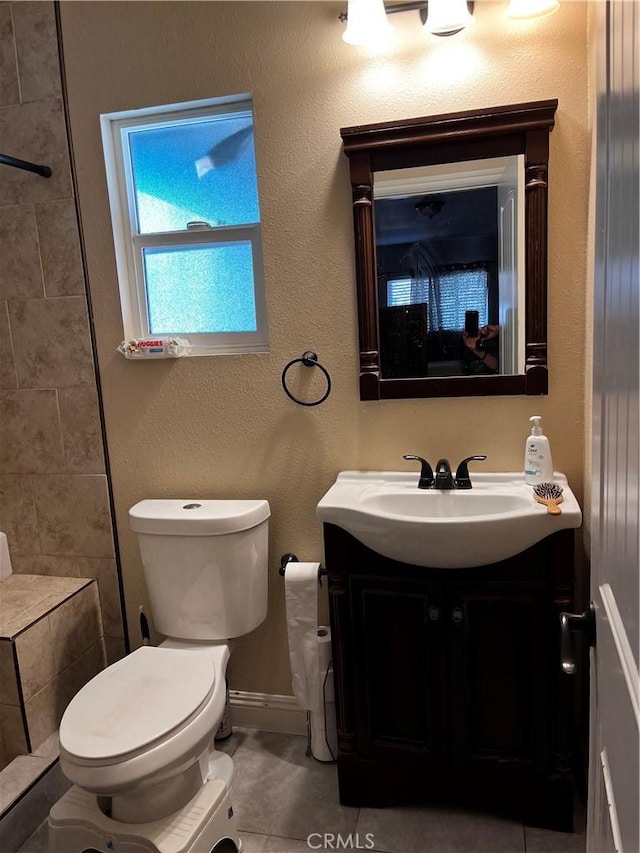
[450, 228]
[449, 270]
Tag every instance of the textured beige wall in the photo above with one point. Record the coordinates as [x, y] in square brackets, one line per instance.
[222, 426]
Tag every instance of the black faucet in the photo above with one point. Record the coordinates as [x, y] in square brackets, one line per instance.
[444, 477]
[462, 480]
[426, 474]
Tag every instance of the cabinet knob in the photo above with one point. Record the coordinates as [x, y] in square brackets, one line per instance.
[434, 613]
[457, 615]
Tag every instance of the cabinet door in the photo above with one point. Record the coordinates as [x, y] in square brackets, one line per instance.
[499, 636]
[398, 666]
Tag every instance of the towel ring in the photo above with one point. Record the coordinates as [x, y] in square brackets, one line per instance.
[309, 359]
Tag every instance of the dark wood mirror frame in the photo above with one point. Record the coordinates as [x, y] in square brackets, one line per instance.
[471, 135]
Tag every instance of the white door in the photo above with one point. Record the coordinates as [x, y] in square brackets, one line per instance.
[612, 823]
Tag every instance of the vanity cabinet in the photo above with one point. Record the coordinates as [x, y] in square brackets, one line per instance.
[448, 681]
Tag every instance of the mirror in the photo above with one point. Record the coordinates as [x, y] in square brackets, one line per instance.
[450, 222]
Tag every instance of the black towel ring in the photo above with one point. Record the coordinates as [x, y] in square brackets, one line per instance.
[309, 359]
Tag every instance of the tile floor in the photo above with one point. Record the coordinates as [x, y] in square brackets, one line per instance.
[281, 797]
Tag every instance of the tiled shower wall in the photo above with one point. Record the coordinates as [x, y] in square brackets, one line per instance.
[54, 503]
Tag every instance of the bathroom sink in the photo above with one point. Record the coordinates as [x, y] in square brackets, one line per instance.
[494, 520]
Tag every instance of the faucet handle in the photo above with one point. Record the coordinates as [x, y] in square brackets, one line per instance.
[426, 473]
[462, 479]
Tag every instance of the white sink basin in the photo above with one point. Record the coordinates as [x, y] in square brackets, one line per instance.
[494, 520]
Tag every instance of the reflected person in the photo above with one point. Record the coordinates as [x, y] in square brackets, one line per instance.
[481, 354]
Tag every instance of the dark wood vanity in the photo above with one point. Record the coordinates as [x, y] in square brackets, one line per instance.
[448, 681]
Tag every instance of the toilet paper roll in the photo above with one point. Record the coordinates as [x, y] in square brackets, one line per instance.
[301, 591]
[324, 647]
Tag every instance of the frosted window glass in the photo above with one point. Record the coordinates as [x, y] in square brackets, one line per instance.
[197, 171]
[200, 289]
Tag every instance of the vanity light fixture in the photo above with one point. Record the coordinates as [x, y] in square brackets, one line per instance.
[447, 17]
[523, 9]
[366, 22]
[367, 19]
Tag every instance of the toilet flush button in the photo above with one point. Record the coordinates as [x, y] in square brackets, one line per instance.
[192, 506]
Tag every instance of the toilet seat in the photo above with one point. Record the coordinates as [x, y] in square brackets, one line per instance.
[156, 742]
[135, 703]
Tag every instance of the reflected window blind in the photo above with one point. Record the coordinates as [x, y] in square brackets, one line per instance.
[457, 291]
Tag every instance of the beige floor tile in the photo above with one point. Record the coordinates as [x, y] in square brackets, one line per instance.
[252, 842]
[275, 844]
[38, 842]
[545, 841]
[18, 775]
[279, 791]
[274, 780]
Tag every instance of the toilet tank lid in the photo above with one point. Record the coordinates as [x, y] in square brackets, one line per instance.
[195, 517]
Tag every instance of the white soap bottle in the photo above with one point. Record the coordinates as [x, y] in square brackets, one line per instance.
[538, 467]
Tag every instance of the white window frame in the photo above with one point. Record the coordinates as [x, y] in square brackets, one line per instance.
[130, 244]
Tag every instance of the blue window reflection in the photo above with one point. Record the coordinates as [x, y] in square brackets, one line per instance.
[195, 171]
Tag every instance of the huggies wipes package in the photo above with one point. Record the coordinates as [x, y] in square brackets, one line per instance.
[138, 348]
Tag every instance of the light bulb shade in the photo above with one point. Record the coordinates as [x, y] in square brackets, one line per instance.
[447, 17]
[366, 22]
[523, 9]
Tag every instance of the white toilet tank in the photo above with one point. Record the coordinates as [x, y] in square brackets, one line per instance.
[205, 564]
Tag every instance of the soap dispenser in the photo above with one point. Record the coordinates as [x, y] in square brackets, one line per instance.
[538, 467]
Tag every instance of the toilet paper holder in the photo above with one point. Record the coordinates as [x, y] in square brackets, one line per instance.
[291, 558]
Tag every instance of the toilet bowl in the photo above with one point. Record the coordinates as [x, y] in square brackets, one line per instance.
[138, 740]
[141, 732]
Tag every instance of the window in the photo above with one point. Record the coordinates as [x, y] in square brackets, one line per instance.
[450, 293]
[183, 190]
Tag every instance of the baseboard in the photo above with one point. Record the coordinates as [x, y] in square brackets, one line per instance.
[268, 712]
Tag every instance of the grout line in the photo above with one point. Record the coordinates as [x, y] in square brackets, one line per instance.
[13, 353]
[15, 54]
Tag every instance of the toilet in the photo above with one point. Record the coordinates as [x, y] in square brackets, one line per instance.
[137, 741]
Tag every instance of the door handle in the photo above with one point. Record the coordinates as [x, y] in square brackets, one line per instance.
[569, 622]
